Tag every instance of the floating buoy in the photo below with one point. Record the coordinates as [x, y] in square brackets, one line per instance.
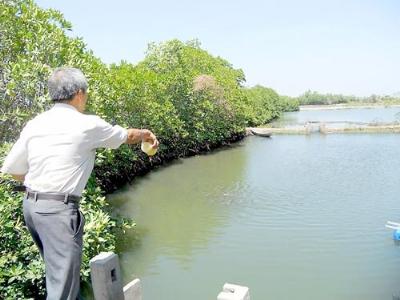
[396, 234]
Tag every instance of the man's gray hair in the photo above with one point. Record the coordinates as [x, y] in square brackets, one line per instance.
[64, 83]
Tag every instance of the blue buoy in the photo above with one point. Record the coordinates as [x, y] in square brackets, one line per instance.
[396, 234]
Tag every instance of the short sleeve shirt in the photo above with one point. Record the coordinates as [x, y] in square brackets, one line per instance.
[56, 150]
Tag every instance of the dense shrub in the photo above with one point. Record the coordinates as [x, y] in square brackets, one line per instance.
[265, 104]
[289, 103]
[181, 92]
[32, 43]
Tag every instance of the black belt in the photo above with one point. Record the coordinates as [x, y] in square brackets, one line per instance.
[52, 196]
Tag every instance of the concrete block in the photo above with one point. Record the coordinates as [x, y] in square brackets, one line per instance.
[106, 277]
[133, 290]
[234, 292]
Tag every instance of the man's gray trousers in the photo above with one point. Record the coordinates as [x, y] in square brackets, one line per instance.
[57, 229]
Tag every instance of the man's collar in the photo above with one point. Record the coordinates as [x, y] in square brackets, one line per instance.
[64, 105]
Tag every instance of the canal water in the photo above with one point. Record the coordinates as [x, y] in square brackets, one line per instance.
[291, 217]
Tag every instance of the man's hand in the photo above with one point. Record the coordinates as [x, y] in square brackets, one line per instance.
[136, 136]
[148, 136]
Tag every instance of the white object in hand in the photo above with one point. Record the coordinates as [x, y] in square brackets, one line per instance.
[148, 149]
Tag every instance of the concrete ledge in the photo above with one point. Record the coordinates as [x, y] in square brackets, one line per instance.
[234, 292]
[133, 290]
[107, 282]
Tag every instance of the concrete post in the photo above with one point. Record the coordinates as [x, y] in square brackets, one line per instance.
[106, 277]
[234, 292]
[322, 128]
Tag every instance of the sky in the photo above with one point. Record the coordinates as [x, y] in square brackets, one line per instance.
[332, 46]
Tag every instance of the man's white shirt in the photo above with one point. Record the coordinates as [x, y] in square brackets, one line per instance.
[56, 150]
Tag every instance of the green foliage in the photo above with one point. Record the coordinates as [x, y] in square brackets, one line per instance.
[101, 226]
[264, 105]
[203, 90]
[21, 269]
[33, 42]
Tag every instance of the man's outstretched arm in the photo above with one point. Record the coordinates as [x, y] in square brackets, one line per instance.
[106, 135]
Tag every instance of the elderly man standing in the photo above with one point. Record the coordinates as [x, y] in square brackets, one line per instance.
[54, 157]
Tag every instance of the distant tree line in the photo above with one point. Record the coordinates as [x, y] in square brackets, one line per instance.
[316, 98]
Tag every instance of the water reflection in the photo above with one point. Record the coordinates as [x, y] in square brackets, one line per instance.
[178, 209]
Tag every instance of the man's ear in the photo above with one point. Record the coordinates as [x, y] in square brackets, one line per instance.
[81, 93]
